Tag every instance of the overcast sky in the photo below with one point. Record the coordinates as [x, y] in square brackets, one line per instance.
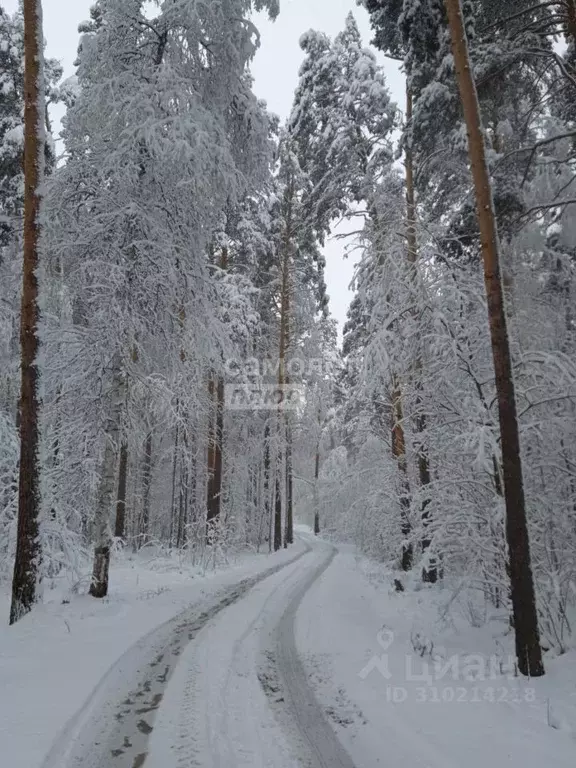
[275, 70]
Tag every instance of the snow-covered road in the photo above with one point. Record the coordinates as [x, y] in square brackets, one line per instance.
[241, 697]
[219, 685]
[114, 726]
[276, 671]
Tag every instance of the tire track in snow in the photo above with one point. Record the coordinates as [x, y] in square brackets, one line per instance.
[321, 741]
[121, 732]
[215, 713]
[221, 711]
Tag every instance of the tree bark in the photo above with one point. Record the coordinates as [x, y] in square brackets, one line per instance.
[430, 572]
[218, 465]
[399, 453]
[26, 565]
[266, 483]
[173, 526]
[185, 471]
[216, 439]
[102, 522]
[216, 431]
[316, 499]
[183, 511]
[289, 530]
[211, 509]
[528, 649]
[120, 524]
[410, 188]
[192, 504]
[571, 20]
[146, 486]
[282, 379]
[278, 507]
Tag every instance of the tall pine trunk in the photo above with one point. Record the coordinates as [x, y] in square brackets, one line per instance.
[216, 430]
[430, 572]
[27, 543]
[282, 379]
[173, 524]
[266, 483]
[211, 501]
[278, 506]
[181, 533]
[216, 440]
[316, 499]
[146, 486]
[289, 529]
[120, 524]
[183, 510]
[399, 453]
[528, 649]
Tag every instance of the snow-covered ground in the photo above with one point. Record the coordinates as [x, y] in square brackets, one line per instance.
[62, 658]
[402, 686]
[305, 658]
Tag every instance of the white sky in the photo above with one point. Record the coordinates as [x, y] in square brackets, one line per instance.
[275, 71]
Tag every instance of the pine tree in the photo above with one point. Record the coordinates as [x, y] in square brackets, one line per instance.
[341, 122]
[28, 546]
[528, 649]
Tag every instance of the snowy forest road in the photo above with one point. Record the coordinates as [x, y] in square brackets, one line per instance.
[220, 686]
[241, 698]
[325, 748]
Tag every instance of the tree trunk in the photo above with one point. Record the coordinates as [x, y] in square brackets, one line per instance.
[316, 499]
[132, 517]
[218, 464]
[399, 453]
[120, 525]
[430, 572]
[266, 483]
[174, 468]
[571, 21]
[282, 379]
[528, 649]
[26, 565]
[146, 485]
[102, 537]
[102, 522]
[278, 507]
[215, 453]
[211, 509]
[289, 530]
[183, 511]
[410, 188]
[184, 489]
[216, 440]
[192, 505]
